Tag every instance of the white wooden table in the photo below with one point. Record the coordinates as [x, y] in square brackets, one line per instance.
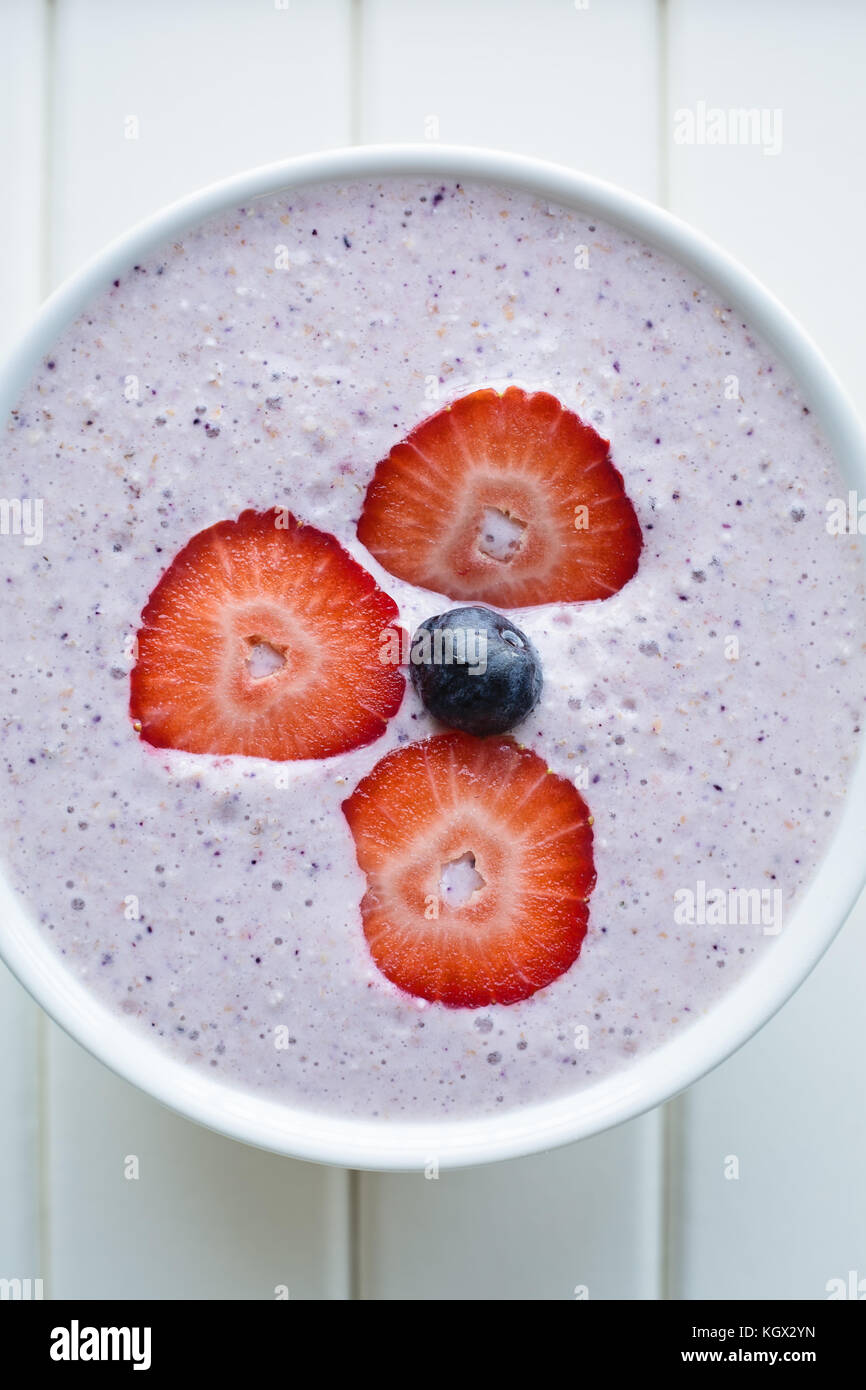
[220, 85]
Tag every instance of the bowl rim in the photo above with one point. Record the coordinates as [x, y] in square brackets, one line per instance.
[384, 1144]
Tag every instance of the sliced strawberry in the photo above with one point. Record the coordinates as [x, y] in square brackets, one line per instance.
[263, 638]
[479, 869]
[507, 499]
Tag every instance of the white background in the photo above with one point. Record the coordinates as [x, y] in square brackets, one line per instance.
[220, 85]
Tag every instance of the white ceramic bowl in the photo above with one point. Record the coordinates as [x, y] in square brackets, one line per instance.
[643, 1083]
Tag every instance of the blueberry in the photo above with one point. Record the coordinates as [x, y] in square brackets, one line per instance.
[475, 670]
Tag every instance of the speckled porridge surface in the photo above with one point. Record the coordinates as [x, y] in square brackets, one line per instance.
[272, 357]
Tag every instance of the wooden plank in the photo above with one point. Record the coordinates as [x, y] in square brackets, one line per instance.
[23, 98]
[21, 1249]
[580, 1223]
[214, 88]
[147, 1205]
[22, 94]
[789, 1106]
[579, 86]
[789, 1109]
[796, 218]
[154, 101]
